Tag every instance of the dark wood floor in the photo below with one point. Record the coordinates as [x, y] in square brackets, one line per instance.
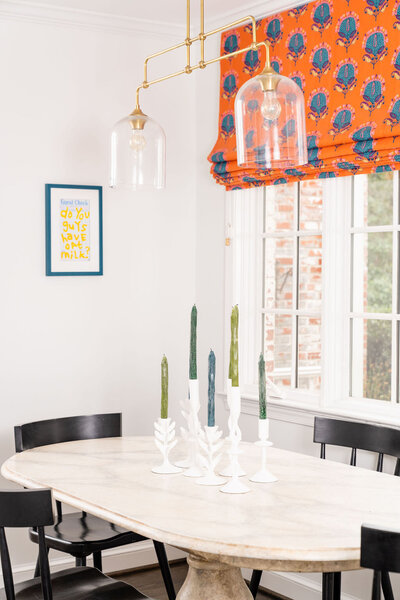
[150, 582]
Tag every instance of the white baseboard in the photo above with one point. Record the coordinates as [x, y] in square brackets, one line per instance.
[293, 585]
[124, 558]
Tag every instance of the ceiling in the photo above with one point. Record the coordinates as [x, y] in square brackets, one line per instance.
[167, 11]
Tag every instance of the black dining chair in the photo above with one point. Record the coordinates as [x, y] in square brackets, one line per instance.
[81, 534]
[380, 551]
[33, 508]
[357, 436]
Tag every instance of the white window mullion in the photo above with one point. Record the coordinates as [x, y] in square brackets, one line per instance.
[335, 290]
[295, 290]
[395, 283]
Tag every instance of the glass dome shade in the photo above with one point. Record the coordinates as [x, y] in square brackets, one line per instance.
[137, 153]
[270, 122]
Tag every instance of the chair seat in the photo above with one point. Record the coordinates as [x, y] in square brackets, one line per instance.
[82, 535]
[79, 583]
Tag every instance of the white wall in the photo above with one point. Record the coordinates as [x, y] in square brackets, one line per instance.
[73, 345]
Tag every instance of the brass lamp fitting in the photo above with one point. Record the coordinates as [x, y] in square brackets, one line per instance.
[267, 79]
[137, 123]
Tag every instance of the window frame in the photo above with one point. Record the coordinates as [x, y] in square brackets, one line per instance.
[296, 405]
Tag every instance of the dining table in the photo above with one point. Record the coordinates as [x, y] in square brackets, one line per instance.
[308, 520]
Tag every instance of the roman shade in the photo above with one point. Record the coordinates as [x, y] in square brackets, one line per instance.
[345, 56]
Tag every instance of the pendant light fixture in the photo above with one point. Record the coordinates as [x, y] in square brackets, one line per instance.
[269, 105]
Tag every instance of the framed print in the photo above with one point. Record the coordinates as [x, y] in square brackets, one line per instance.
[74, 229]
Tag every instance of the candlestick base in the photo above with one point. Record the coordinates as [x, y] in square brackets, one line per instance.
[164, 438]
[263, 476]
[166, 468]
[211, 479]
[184, 463]
[235, 486]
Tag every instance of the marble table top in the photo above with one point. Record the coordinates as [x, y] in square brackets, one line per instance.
[309, 520]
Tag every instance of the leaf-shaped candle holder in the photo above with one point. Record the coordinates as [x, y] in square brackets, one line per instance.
[211, 444]
[164, 438]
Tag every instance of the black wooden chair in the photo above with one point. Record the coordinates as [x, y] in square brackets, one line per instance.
[357, 436]
[33, 508]
[80, 534]
[380, 551]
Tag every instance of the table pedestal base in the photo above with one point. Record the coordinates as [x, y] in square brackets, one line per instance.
[211, 579]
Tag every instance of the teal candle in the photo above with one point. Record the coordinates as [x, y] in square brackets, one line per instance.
[234, 353]
[164, 388]
[262, 392]
[193, 344]
[211, 389]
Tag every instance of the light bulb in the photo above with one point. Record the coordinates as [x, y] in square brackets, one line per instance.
[137, 141]
[271, 107]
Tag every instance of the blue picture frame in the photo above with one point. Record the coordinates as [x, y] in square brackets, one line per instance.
[56, 262]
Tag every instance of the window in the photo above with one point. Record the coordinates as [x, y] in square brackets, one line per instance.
[314, 268]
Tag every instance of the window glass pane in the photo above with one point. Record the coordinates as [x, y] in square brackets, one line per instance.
[371, 359]
[278, 348]
[310, 272]
[373, 200]
[311, 205]
[372, 272]
[279, 207]
[278, 272]
[309, 367]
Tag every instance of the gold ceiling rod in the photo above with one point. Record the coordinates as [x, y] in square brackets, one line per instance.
[189, 68]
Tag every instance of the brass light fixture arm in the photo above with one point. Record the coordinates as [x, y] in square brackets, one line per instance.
[201, 37]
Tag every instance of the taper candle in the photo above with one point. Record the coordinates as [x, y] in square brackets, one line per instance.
[193, 344]
[262, 392]
[164, 388]
[234, 354]
[211, 389]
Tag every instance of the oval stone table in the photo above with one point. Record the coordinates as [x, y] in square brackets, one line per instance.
[309, 520]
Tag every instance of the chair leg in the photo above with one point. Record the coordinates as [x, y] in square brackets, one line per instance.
[80, 561]
[387, 586]
[376, 586]
[328, 586]
[165, 570]
[37, 567]
[97, 562]
[337, 584]
[255, 582]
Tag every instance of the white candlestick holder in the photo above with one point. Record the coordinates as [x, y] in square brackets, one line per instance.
[164, 437]
[235, 485]
[192, 434]
[263, 475]
[211, 444]
[185, 463]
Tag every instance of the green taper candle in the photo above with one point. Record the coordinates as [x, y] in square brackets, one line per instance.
[211, 389]
[193, 344]
[234, 355]
[164, 388]
[262, 392]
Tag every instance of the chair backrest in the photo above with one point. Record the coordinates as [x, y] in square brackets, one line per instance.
[380, 551]
[25, 508]
[362, 436]
[67, 429]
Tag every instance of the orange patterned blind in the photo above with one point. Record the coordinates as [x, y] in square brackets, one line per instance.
[346, 58]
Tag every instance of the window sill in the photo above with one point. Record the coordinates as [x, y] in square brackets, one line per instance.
[303, 413]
